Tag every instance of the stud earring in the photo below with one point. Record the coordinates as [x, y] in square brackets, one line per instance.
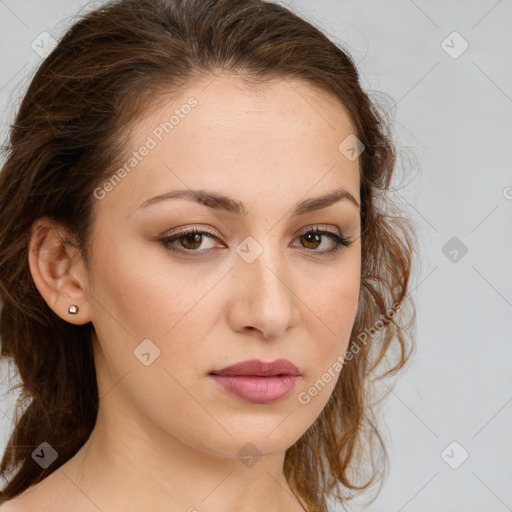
[73, 309]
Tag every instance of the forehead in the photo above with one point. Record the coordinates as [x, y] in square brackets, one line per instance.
[224, 134]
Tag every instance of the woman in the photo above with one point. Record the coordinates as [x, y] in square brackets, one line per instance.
[200, 275]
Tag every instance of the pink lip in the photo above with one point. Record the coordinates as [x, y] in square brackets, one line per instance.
[255, 367]
[258, 382]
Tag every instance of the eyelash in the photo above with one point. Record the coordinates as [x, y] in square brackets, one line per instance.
[339, 241]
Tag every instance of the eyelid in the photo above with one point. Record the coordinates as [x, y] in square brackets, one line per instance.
[200, 228]
[191, 229]
[322, 227]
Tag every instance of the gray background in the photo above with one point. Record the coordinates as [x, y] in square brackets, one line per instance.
[453, 122]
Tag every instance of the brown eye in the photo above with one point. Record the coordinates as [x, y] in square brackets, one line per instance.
[312, 240]
[191, 241]
[187, 241]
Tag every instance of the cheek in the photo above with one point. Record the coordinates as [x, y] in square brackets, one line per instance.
[334, 301]
[330, 313]
[337, 305]
[146, 297]
[138, 291]
[141, 298]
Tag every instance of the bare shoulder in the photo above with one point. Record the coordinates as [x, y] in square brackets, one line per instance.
[24, 502]
[37, 498]
[56, 493]
[16, 505]
[27, 503]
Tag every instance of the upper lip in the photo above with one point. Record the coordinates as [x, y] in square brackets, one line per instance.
[258, 368]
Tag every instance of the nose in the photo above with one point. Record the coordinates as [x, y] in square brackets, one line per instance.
[264, 297]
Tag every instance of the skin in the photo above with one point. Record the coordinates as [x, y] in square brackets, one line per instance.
[167, 437]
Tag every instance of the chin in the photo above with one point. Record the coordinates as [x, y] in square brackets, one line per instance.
[261, 439]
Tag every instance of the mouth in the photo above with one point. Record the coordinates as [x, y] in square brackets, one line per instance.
[258, 382]
[257, 368]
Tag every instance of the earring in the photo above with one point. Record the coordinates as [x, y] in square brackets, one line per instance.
[73, 309]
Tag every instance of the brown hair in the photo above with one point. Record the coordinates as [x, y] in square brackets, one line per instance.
[66, 140]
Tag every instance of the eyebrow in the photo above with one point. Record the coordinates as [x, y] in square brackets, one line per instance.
[218, 201]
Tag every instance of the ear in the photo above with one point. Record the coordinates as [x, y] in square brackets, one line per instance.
[58, 271]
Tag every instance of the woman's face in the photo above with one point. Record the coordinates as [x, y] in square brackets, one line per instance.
[255, 283]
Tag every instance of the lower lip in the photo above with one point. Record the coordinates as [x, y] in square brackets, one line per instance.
[258, 390]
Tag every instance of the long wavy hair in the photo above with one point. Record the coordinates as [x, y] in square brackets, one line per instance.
[68, 137]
